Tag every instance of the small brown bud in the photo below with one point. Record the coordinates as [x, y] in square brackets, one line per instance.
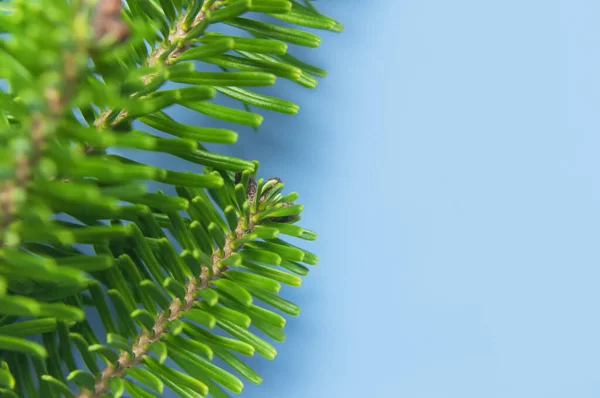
[251, 186]
[251, 189]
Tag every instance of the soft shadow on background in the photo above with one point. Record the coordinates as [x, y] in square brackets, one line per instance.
[450, 163]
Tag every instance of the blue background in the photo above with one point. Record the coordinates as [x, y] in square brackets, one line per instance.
[450, 164]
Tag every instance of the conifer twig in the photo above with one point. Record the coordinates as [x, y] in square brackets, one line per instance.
[174, 44]
[176, 309]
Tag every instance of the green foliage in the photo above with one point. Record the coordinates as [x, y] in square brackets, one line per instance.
[79, 232]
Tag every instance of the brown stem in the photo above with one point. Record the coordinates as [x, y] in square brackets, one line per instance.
[176, 309]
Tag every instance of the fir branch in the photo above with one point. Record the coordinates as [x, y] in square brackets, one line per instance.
[43, 124]
[175, 46]
[176, 309]
[168, 51]
[232, 251]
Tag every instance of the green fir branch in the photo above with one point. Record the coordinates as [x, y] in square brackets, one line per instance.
[78, 75]
[133, 356]
[174, 46]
